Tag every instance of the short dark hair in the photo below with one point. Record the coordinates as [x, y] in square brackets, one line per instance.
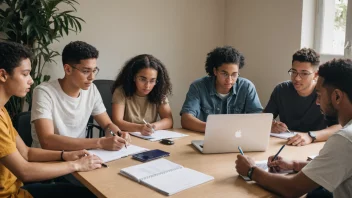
[11, 54]
[223, 55]
[338, 74]
[76, 51]
[307, 55]
[125, 78]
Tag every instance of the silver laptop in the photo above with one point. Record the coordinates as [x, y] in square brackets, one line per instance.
[225, 132]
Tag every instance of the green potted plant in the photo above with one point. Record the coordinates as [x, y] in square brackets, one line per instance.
[36, 24]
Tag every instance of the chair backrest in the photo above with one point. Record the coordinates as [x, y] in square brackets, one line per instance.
[23, 126]
[104, 87]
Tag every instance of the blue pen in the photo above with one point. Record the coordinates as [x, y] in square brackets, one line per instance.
[278, 152]
[239, 148]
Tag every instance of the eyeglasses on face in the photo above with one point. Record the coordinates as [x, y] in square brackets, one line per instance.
[87, 72]
[225, 75]
[144, 80]
[303, 75]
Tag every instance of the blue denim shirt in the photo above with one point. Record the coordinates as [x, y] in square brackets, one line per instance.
[202, 99]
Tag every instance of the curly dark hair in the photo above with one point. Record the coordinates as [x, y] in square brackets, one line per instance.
[338, 73]
[223, 55]
[125, 78]
[76, 51]
[307, 55]
[11, 54]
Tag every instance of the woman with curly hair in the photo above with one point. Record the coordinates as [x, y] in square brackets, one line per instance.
[221, 92]
[140, 96]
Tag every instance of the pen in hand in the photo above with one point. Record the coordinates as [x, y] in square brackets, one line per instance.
[289, 131]
[240, 149]
[145, 122]
[102, 164]
[274, 158]
[119, 134]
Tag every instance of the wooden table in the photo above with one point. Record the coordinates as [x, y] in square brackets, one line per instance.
[106, 182]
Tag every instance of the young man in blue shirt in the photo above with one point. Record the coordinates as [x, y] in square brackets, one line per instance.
[221, 92]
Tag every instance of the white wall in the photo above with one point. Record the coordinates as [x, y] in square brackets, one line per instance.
[267, 33]
[180, 33]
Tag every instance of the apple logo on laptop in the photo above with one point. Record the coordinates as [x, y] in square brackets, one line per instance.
[238, 134]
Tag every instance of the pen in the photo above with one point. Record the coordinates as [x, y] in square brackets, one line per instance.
[289, 131]
[278, 152]
[119, 134]
[145, 122]
[239, 148]
[102, 164]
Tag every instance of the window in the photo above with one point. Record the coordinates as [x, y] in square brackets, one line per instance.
[333, 35]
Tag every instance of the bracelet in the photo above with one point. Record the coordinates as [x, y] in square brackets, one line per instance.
[62, 155]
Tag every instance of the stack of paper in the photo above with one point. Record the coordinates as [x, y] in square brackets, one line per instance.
[158, 135]
[264, 165]
[108, 156]
[283, 135]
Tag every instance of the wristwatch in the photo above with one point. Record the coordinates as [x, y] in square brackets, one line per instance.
[250, 172]
[312, 135]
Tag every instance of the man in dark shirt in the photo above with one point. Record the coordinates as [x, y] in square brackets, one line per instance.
[294, 102]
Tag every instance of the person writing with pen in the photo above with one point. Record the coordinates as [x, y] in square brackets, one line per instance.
[140, 96]
[332, 168]
[294, 102]
[21, 167]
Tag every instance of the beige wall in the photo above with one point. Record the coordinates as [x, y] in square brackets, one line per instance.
[267, 33]
[182, 32]
[179, 33]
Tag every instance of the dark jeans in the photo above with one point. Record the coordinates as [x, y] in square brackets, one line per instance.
[320, 193]
[54, 190]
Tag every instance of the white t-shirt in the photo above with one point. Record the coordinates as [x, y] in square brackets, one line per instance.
[69, 115]
[332, 169]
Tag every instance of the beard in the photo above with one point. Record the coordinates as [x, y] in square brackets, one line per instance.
[330, 112]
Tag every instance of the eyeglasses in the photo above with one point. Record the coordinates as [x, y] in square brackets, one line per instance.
[226, 75]
[145, 81]
[302, 75]
[87, 72]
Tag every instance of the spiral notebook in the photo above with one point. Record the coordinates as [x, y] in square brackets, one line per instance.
[165, 176]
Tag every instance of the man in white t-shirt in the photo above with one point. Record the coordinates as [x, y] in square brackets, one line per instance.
[332, 169]
[61, 108]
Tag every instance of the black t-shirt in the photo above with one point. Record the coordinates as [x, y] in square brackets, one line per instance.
[297, 112]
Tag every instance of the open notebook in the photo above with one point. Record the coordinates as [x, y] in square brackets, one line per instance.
[283, 135]
[263, 165]
[165, 176]
[108, 156]
[158, 135]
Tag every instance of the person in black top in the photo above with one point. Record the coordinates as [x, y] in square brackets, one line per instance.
[294, 102]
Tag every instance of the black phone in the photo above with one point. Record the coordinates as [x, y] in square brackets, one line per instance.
[150, 155]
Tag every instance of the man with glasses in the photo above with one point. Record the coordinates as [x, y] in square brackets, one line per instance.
[61, 108]
[221, 92]
[294, 102]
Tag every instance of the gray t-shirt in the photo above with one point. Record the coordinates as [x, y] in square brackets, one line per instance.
[332, 169]
[298, 113]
